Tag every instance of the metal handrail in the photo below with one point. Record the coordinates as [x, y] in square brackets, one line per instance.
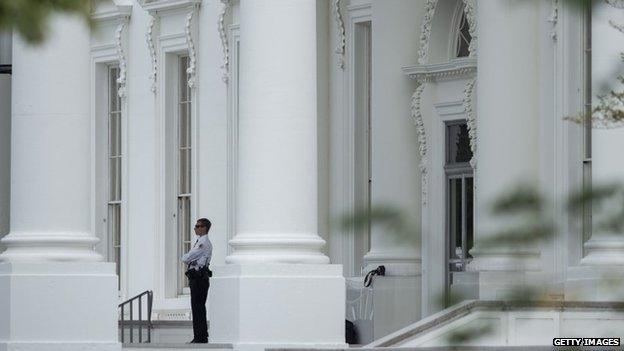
[131, 320]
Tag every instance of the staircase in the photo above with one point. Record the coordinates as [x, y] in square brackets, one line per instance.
[479, 324]
[175, 347]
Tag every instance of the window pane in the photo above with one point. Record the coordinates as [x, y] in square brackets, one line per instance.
[114, 139]
[458, 144]
[469, 216]
[183, 79]
[463, 37]
[455, 216]
[112, 83]
[183, 126]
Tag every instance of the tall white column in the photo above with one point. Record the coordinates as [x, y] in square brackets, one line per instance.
[606, 248]
[277, 289]
[507, 119]
[277, 177]
[49, 272]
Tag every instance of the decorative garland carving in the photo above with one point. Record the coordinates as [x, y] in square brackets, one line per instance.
[417, 118]
[191, 70]
[149, 36]
[121, 80]
[224, 40]
[471, 17]
[554, 18]
[471, 120]
[425, 32]
[340, 49]
[618, 4]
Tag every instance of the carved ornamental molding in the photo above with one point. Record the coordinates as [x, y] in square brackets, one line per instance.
[111, 13]
[422, 136]
[471, 120]
[424, 72]
[227, 4]
[159, 10]
[188, 30]
[470, 7]
[425, 31]
[456, 68]
[149, 37]
[121, 80]
[340, 48]
[553, 18]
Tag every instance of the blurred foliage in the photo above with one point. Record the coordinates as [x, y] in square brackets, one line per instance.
[30, 18]
[391, 219]
[608, 111]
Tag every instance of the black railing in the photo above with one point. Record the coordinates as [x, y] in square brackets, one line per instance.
[139, 323]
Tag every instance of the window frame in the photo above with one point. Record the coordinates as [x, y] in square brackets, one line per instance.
[170, 47]
[103, 57]
[463, 171]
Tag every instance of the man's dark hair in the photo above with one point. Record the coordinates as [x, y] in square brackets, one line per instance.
[204, 222]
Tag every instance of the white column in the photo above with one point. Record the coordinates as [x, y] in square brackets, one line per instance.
[277, 177]
[606, 248]
[277, 289]
[49, 271]
[507, 119]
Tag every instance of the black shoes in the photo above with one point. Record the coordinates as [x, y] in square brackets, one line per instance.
[198, 341]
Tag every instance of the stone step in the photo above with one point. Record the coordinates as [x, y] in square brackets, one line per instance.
[176, 347]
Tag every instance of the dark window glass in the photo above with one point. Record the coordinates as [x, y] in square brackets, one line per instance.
[458, 142]
[463, 37]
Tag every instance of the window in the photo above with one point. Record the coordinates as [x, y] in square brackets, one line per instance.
[114, 158]
[183, 167]
[460, 187]
[463, 37]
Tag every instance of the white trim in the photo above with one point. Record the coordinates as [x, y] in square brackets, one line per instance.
[165, 287]
[355, 15]
[451, 70]
[232, 128]
[101, 57]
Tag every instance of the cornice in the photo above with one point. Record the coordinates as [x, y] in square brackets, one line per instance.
[165, 5]
[454, 69]
[117, 12]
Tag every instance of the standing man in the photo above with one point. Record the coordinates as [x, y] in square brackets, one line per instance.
[198, 273]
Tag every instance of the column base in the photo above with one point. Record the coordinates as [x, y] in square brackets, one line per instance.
[58, 306]
[514, 285]
[396, 303]
[595, 283]
[260, 306]
[397, 263]
[61, 346]
[604, 251]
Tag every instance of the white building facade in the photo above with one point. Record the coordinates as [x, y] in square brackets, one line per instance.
[275, 119]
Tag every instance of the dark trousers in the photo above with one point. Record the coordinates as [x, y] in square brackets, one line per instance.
[199, 292]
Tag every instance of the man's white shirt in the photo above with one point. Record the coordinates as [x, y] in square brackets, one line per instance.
[200, 254]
